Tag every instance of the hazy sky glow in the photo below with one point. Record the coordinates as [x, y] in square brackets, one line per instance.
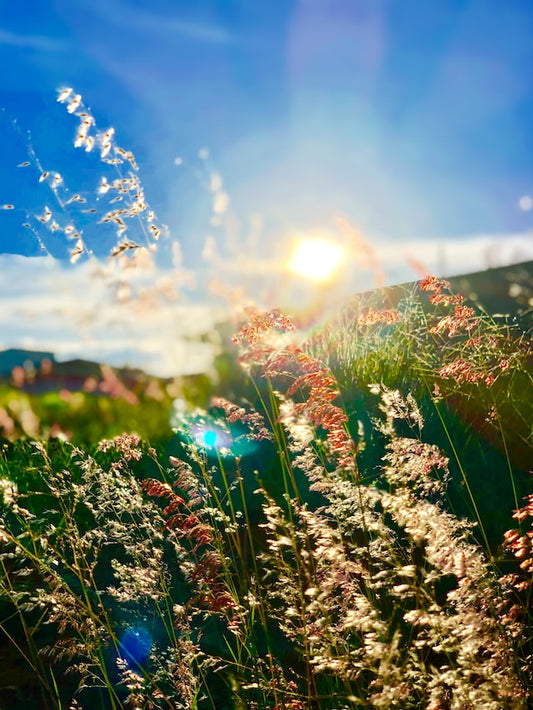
[413, 120]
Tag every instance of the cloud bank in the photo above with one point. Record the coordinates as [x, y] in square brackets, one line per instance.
[81, 313]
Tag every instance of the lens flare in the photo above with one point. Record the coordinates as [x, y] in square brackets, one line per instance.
[135, 645]
[210, 436]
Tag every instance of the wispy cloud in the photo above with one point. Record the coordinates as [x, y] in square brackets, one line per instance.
[129, 16]
[204, 32]
[37, 42]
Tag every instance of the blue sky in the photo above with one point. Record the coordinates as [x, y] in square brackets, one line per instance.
[413, 119]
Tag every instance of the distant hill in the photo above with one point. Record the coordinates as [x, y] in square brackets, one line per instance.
[15, 357]
[43, 373]
[503, 291]
[507, 290]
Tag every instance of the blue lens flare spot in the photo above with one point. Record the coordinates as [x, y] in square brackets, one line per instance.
[135, 646]
[210, 438]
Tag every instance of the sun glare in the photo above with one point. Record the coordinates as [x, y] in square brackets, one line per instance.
[316, 258]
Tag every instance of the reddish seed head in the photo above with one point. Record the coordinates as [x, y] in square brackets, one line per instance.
[431, 283]
[371, 317]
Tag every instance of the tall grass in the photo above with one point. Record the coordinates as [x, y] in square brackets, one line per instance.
[352, 530]
[273, 559]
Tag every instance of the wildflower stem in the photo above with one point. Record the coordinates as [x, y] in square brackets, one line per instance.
[465, 480]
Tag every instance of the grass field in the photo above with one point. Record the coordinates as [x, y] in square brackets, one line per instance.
[346, 524]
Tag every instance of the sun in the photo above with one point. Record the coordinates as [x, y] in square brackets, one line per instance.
[316, 258]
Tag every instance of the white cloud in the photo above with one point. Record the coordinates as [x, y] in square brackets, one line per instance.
[73, 313]
[452, 257]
